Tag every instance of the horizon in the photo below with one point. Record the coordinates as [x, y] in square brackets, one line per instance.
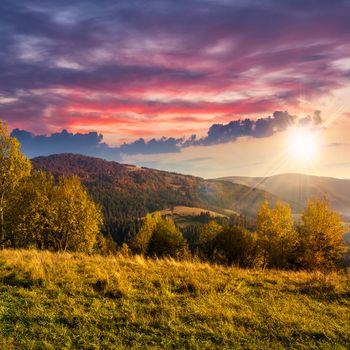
[210, 89]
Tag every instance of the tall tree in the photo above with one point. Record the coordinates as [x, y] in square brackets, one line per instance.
[236, 245]
[53, 216]
[206, 237]
[78, 218]
[167, 240]
[277, 237]
[321, 233]
[141, 240]
[13, 167]
[159, 237]
[30, 212]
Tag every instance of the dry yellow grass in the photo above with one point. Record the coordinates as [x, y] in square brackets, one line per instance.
[63, 301]
[189, 211]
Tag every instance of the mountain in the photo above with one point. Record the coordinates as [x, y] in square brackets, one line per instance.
[127, 192]
[298, 188]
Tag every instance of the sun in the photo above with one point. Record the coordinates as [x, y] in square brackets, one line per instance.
[303, 144]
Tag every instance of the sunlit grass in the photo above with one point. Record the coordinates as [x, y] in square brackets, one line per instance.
[62, 301]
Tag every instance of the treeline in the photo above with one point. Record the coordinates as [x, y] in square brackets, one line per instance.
[315, 243]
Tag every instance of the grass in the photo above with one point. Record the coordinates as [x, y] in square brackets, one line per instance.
[184, 216]
[181, 210]
[74, 301]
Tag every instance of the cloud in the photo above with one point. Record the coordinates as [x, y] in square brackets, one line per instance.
[198, 159]
[92, 143]
[262, 127]
[69, 63]
[89, 144]
[314, 120]
[162, 145]
[64, 142]
[336, 144]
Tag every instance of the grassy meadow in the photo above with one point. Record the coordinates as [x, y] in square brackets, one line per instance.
[74, 301]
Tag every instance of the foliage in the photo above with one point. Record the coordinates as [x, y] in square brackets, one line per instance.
[30, 214]
[321, 234]
[276, 243]
[78, 218]
[277, 238]
[141, 241]
[235, 245]
[167, 240]
[159, 237]
[52, 216]
[105, 245]
[206, 237]
[13, 167]
[75, 301]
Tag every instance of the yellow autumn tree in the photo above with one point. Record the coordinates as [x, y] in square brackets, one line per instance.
[53, 216]
[277, 238]
[159, 237]
[141, 241]
[14, 166]
[77, 218]
[30, 214]
[321, 236]
[167, 240]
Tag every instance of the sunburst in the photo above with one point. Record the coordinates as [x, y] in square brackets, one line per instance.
[303, 144]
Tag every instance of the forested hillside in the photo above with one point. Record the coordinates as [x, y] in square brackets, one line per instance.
[126, 192]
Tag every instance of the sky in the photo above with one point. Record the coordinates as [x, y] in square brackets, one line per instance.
[209, 88]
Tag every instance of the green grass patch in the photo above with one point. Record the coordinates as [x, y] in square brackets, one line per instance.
[74, 301]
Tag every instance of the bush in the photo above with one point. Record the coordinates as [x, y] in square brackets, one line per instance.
[159, 237]
[235, 245]
[206, 237]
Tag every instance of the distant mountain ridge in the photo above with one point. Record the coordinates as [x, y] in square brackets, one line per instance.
[126, 191]
[298, 188]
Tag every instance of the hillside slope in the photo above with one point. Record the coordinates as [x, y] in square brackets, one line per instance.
[298, 188]
[127, 191]
[73, 301]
